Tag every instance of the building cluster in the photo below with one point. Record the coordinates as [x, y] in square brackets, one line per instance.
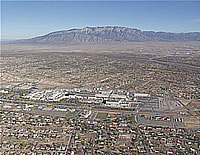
[166, 140]
[95, 97]
[107, 133]
[99, 97]
[33, 133]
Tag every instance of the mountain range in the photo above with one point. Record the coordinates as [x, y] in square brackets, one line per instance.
[110, 34]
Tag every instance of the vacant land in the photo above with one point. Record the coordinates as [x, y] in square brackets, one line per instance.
[101, 115]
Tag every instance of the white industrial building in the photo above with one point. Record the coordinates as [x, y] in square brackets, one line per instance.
[141, 95]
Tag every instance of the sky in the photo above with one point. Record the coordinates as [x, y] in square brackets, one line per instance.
[26, 19]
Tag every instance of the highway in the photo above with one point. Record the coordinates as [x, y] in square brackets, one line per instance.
[140, 111]
[104, 109]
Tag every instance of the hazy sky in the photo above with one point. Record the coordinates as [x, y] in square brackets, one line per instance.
[28, 19]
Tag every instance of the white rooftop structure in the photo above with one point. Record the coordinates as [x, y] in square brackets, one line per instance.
[141, 95]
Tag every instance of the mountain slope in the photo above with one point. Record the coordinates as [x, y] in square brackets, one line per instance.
[110, 34]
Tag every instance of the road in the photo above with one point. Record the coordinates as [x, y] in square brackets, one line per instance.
[27, 151]
[172, 114]
[73, 132]
[161, 113]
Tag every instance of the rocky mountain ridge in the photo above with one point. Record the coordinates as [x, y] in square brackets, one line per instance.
[110, 34]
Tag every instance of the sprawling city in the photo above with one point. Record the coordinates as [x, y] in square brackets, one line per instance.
[100, 103]
[79, 121]
[100, 78]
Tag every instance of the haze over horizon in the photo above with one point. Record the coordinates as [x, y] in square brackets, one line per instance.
[22, 20]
